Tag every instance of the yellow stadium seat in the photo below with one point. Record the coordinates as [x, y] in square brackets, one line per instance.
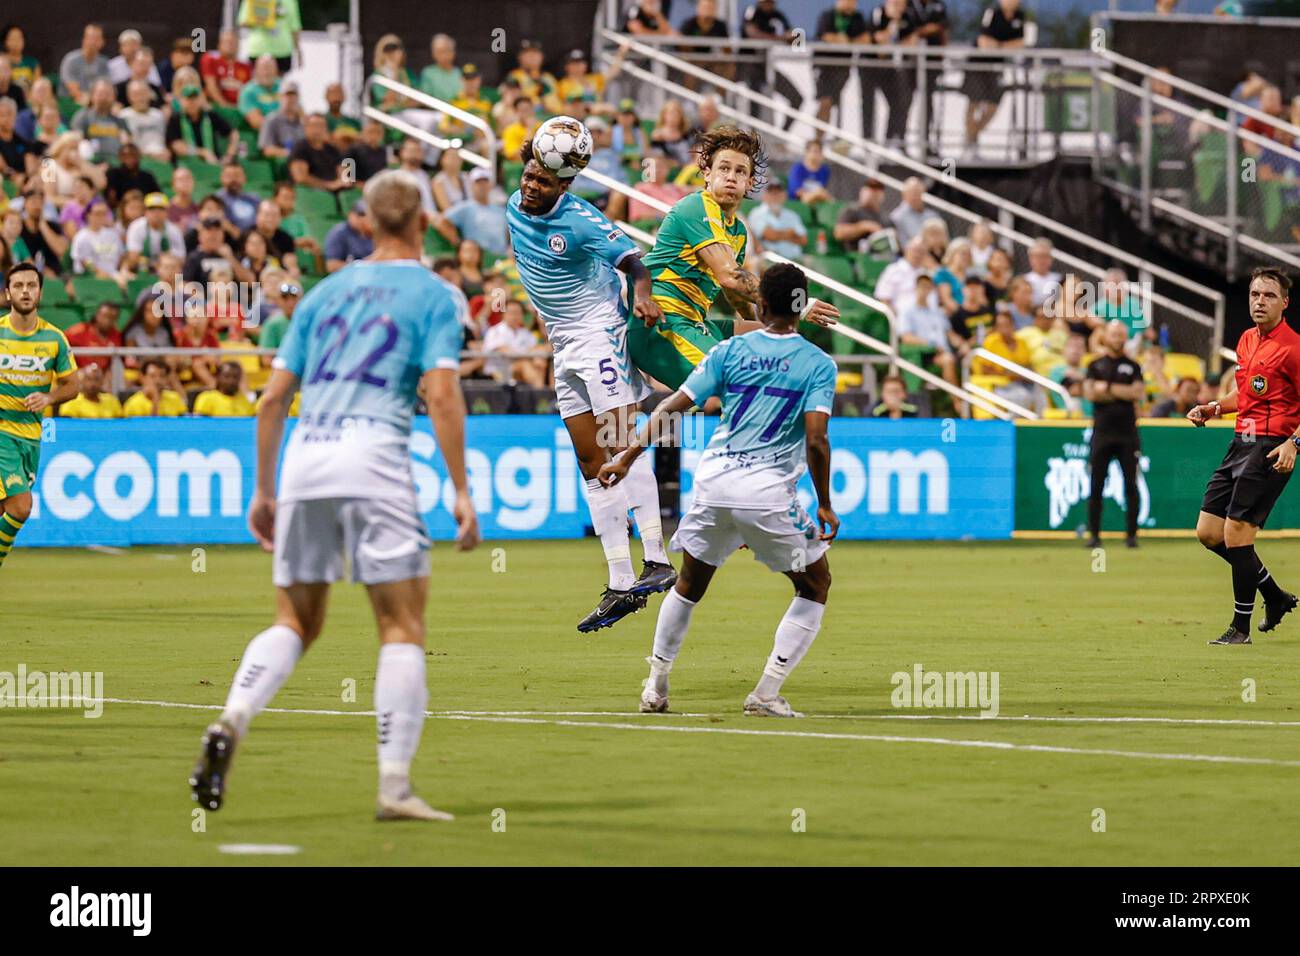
[989, 382]
[1179, 365]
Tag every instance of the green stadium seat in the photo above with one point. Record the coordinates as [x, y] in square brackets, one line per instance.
[67, 108]
[826, 214]
[232, 116]
[10, 187]
[510, 173]
[162, 171]
[144, 280]
[260, 174]
[838, 268]
[61, 316]
[805, 214]
[435, 244]
[318, 203]
[868, 269]
[90, 291]
[54, 293]
[491, 94]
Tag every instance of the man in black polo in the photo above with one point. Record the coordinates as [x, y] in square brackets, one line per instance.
[1113, 383]
[1001, 28]
[765, 21]
[843, 24]
[894, 23]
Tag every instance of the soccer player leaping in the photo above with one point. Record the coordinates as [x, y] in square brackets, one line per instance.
[776, 389]
[362, 344]
[1261, 457]
[567, 253]
[699, 253]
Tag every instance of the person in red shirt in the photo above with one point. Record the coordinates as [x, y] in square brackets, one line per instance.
[1261, 457]
[224, 74]
[100, 332]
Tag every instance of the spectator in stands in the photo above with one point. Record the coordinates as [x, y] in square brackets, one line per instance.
[26, 68]
[1001, 28]
[226, 400]
[18, 155]
[129, 210]
[279, 244]
[605, 159]
[1248, 89]
[998, 275]
[390, 63]
[142, 71]
[534, 82]
[129, 46]
[477, 218]
[981, 247]
[629, 136]
[972, 319]
[12, 247]
[179, 59]
[893, 399]
[705, 23]
[241, 206]
[211, 207]
[152, 235]
[314, 161]
[1045, 335]
[1002, 341]
[273, 29]
[1118, 302]
[145, 122]
[91, 401]
[369, 155]
[286, 296]
[410, 157]
[1020, 302]
[521, 130]
[293, 222]
[923, 325]
[470, 98]
[283, 130]
[1166, 7]
[1071, 305]
[154, 399]
[656, 184]
[950, 280]
[98, 332]
[38, 97]
[44, 242]
[512, 335]
[181, 209]
[194, 130]
[212, 253]
[82, 68]
[9, 87]
[894, 23]
[224, 73]
[764, 21]
[843, 24]
[260, 96]
[896, 286]
[450, 183]
[97, 249]
[934, 233]
[196, 332]
[910, 214]
[779, 228]
[469, 267]
[49, 127]
[647, 18]
[61, 176]
[1042, 279]
[343, 129]
[1070, 373]
[856, 224]
[1270, 102]
[810, 176]
[350, 239]
[672, 133]
[580, 80]
[441, 78]
[128, 175]
[99, 126]
[1183, 400]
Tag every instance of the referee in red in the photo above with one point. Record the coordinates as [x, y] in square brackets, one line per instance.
[1244, 488]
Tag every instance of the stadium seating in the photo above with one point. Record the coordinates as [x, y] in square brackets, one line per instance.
[90, 291]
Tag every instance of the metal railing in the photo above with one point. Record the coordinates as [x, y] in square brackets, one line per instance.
[1202, 343]
[440, 106]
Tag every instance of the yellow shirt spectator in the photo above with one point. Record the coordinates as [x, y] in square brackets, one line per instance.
[589, 87]
[216, 405]
[515, 135]
[1017, 351]
[104, 406]
[170, 405]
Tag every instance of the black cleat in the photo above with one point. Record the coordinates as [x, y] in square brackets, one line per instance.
[613, 607]
[1274, 611]
[208, 781]
[1131, 541]
[655, 577]
[1092, 543]
[1232, 636]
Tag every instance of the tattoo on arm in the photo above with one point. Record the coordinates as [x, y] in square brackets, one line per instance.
[746, 283]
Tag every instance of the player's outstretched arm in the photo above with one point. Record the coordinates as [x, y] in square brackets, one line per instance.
[819, 467]
[441, 388]
[614, 470]
[1201, 414]
[644, 306]
[737, 282]
[276, 400]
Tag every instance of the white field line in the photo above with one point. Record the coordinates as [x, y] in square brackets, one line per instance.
[743, 732]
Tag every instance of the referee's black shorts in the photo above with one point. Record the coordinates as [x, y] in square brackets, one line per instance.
[1246, 486]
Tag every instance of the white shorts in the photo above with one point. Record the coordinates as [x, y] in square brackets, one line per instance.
[594, 374]
[383, 539]
[785, 539]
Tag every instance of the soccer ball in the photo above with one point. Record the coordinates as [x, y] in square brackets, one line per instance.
[563, 145]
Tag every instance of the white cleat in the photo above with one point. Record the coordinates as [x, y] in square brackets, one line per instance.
[409, 807]
[652, 702]
[776, 707]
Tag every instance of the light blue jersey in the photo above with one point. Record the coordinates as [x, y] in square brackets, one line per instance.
[766, 383]
[567, 262]
[359, 343]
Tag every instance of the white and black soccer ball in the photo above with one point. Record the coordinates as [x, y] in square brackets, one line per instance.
[563, 145]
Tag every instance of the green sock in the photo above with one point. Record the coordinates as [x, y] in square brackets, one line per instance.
[9, 528]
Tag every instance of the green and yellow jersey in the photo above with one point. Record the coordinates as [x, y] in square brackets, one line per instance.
[29, 362]
[682, 284]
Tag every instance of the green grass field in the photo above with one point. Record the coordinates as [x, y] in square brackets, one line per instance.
[614, 787]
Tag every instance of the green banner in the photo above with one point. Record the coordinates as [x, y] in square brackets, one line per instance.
[1053, 481]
